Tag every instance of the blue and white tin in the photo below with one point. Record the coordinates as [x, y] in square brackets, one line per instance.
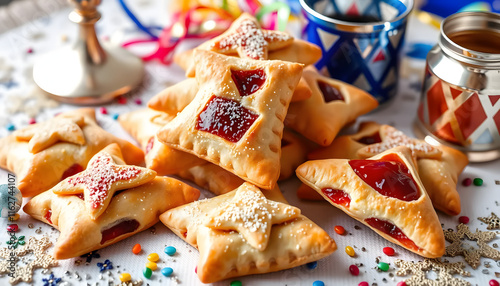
[363, 50]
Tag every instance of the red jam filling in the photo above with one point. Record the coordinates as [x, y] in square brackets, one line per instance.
[338, 197]
[48, 216]
[121, 228]
[226, 118]
[330, 93]
[150, 144]
[388, 176]
[391, 230]
[248, 82]
[73, 170]
[370, 139]
[80, 196]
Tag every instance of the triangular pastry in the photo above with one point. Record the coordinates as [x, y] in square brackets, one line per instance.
[127, 212]
[212, 178]
[438, 166]
[43, 154]
[175, 98]
[143, 124]
[333, 104]
[293, 153]
[385, 193]
[230, 233]
[246, 39]
[236, 119]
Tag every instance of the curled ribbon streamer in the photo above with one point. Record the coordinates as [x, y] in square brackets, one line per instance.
[136, 21]
[281, 16]
[167, 42]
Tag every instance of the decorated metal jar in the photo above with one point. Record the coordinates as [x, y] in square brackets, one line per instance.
[361, 41]
[460, 101]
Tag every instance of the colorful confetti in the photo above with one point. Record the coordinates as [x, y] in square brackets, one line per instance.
[472, 255]
[443, 270]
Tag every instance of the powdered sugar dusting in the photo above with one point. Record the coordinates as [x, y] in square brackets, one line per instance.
[252, 210]
[394, 138]
[250, 39]
[100, 175]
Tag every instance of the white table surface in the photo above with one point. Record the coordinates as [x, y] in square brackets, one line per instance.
[46, 33]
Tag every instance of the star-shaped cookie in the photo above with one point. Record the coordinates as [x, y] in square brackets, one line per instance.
[128, 207]
[104, 176]
[39, 171]
[247, 40]
[225, 254]
[332, 105]
[472, 255]
[60, 129]
[438, 166]
[236, 118]
[252, 215]
[391, 137]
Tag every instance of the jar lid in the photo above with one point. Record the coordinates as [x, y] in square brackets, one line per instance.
[472, 22]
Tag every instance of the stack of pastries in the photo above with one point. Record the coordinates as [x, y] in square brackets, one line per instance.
[250, 111]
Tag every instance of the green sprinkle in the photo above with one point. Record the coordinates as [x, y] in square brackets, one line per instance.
[478, 182]
[383, 266]
[147, 272]
[235, 283]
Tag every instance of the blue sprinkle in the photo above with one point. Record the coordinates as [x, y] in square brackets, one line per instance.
[11, 127]
[312, 265]
[167, 271]
[170, 250]
[9, 84]
[318, 283]
[115, 116]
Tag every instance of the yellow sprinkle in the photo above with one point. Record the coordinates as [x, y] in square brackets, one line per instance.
[14, 218]
[153, 257]
[151, 265]
[350, 251]
[125, 277]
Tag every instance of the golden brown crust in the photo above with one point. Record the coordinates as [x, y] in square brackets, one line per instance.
[313, 117]
[282, 47]
[438, 174]
[143, 124]
[416, 219]
[302, 91]
[293, 153]
[141, 199]
[175, 98]
[81, 234]
[38, 172]
[226, 254]
[440, 179]
[255, 156]
[212, 177]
